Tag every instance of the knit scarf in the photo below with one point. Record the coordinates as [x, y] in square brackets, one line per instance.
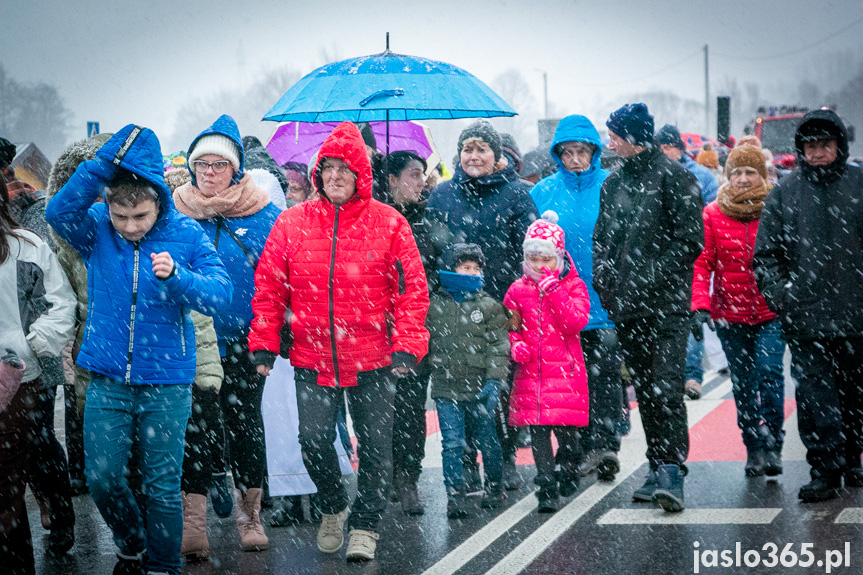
[742, 205]
[242, 199]
[460, 286]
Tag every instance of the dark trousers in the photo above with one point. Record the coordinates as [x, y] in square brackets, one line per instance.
[603, 359]
[543, 454]
[371, 406]
[409, 424]
[17, 436]
[829, 374]
[74, 425]
[49, 470]
[205, 442]
[239, 401]
[754, 355]
[654, 349]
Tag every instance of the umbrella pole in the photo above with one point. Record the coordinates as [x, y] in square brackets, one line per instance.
[387, 157]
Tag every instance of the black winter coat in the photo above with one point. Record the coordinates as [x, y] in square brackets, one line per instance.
[648, 235]
[493, 212]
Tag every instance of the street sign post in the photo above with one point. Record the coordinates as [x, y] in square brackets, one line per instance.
[92, 129]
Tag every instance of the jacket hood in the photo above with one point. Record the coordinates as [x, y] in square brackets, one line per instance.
[138, 150]
[225, 126]
[829, 120]
[576, 129]
[71, 158]
[346, 143]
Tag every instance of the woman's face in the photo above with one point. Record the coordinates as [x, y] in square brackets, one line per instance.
[576, 156]
[744, 178]
[408, 186]
[298, 187]
[477, 159]
[209, 181]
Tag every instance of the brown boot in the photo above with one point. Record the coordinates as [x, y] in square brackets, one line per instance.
[195, 545]
[248, 505]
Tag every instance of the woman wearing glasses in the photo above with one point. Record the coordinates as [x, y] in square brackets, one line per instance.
[237, 216]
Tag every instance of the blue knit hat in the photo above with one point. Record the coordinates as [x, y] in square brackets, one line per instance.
[633, 123]
[670, 135]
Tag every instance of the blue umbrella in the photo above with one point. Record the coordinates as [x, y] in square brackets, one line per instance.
[387, 86]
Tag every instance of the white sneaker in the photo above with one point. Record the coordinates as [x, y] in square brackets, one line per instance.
[331, 534]
[362, 545]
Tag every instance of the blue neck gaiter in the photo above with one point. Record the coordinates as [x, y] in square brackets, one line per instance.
[460, 286]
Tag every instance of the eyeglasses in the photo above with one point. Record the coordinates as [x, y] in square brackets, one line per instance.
[340, 169]
[218, 166]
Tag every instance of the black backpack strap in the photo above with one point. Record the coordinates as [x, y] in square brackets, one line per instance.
[222, 223]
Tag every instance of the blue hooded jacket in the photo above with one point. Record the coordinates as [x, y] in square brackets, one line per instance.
[575, 198]
[708, 184]
[139, 328]
[232, 322]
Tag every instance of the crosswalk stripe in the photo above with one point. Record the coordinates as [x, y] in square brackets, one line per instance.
[850, 515]
[725, 516]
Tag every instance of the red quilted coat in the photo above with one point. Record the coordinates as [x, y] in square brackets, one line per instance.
[550, 388]
[351, 275]
[728, 248]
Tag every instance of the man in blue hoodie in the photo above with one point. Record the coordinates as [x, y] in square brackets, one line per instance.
[573, 192]
[148, 266]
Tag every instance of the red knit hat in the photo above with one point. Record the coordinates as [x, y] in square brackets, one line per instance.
[544, 236]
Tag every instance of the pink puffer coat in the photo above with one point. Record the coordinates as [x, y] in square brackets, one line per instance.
[551, 387]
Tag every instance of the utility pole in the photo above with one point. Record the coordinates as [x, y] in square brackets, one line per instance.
[544, 92]
[706, 91]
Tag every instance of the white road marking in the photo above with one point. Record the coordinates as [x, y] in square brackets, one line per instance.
[850, 515]
[726, 516]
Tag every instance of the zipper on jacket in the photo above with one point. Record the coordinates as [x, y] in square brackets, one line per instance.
[132, 315]
[752, 298]
[332, 307]
[539, 362]
[182, 331]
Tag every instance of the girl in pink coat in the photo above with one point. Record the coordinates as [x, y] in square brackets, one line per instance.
[550, 306]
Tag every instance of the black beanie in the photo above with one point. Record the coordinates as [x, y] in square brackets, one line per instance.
[483, 130]
[670, 135]
[633, 123]
[818, 129]
[7, 153]
[457, 254]
[368, 135]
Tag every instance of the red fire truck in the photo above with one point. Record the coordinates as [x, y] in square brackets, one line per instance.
[775, 127]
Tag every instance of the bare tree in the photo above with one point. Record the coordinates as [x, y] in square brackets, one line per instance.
[515, 90]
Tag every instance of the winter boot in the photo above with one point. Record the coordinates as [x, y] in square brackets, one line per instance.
[409, 497]
[548, 495]
[361, 545]
[252, 536]
[608, 466]
[456, 507]
[195, 545]
[472, 476]
[644, 493]
[669, 488]
[129, 565]
[511, 479]
[754, 463]
[824, 485]
[692, 389]
[331, 533]
[494, 496]
[220, 495]
[289, 512]
[567, 483]
[772, 463]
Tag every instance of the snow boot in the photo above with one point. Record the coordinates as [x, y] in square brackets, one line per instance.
[252, 536]
[289, 512]
[644, 493]
[456, 506]
[772, 463]
[824, 485]
[129, 565]
[409, 497]
[195, 545]
[754, 463]
[494, 496]
[511, 479]
[669, 488]
[567, 483]
[608, 466]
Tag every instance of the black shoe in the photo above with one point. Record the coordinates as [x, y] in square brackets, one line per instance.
[220, 495]
[511, 479]
[289, 512]
[567, 484]
[644, 494]
[472, 477]
[410, 499]
[129, 566]
[549, 500]
[61, 539]
[494, 496]
[608, 467]
[669, 488]
[821, 488]
[854, 477]
[589, 462]
[455, 504]
[754, 464]
[772, 463]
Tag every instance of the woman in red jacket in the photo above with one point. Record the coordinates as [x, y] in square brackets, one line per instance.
[348, 268]
[750, 333]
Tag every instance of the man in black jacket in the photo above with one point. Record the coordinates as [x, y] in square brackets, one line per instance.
[809, 267]
[647, 237]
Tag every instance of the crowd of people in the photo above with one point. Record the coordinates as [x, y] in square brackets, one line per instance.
[517, 294]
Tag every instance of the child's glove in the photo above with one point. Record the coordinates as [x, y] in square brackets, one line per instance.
[491, 394]
[550, 281]
[520, 352]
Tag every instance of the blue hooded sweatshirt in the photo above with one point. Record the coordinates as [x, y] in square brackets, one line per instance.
[139, 328]
[575, 198]
[232, 322]
[708, 184]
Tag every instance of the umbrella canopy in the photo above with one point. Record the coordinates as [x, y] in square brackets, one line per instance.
[694, 143]
[299, 141]
[387, 86]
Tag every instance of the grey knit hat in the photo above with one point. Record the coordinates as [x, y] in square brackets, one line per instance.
[483, 130]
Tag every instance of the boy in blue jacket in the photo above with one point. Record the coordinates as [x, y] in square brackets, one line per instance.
[148, 266]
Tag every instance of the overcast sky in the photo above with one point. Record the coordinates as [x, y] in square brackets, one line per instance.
[120, 62]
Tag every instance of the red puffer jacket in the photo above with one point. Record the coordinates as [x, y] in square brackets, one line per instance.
[351, 275]
[728, 248]
[550, 388]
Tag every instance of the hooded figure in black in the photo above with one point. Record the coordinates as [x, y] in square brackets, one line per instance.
[809, 267]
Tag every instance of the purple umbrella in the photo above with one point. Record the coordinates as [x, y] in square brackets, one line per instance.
[299, 141]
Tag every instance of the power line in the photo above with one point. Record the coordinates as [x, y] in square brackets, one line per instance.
[649, 75]
[796, 50]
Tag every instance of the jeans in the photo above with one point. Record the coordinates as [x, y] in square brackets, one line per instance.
[654, 349]
[409, 428]
[603, 359]
[829, 373]
[371, 407]
[452, 416]
[543, 455]
[694, 359]
[156, 416]
[754, 355]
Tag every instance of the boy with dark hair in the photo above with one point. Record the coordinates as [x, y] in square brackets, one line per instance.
[139, 342]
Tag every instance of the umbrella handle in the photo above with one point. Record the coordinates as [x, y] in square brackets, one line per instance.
[383, 94]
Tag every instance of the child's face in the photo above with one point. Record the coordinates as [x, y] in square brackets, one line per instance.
[539, 261]
[133, 222]
[469, 268]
